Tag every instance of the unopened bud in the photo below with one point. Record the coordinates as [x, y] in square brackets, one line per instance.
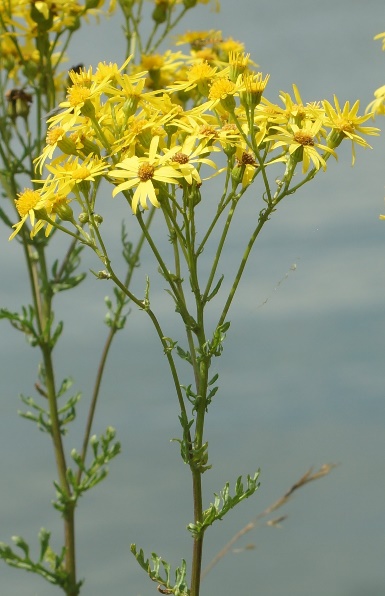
[63, 210]
[98, 219]
[83, 217]
[159, 14]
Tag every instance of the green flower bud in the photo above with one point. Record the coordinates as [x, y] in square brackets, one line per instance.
[63, 210]
[229, 150]
[67, 146]
[237, 174]
[159, 14]
[41, 213]
[228, 103]
[130, 105]
[335, 138]
[88, 109]
[98, 219]
[90, 148]
[30, 70]
[83, 217]
[75, 25]
[145, 137]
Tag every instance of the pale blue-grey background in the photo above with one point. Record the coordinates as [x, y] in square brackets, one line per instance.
[302, 375]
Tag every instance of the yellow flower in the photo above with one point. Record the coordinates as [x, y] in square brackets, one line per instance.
[140, 172]
[84, 96]
[200, 75]
[377, 106]
[223, 92]
[255, 85]
[301, 143]
[73, 172]
[26, 203]
[346, 123]
[227, 46]
[39, 205]
[54, 136]
[186, 156]
[246, 165]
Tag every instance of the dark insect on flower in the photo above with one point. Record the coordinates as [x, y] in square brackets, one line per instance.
[78, 68]
[18, 103]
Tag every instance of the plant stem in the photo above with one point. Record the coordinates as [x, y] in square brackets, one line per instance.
[113, 330]
[45, 318]
[196, 566]
[264, 216]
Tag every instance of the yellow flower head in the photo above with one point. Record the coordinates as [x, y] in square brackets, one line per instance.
[301, 143]
[255, 85]
[26, 203]
[377, 106]
[345, 123]
[142, 172]
[222, 91]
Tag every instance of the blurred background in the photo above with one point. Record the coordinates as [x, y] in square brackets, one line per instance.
[302, 376]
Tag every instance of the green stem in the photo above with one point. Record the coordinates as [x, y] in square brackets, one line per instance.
[45, 316]
[219, 250]
[106, 348]
[264, 216]
[196, 566]
[197, 471]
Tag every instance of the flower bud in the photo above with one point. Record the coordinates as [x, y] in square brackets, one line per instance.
[228, 103]
[30, 69]
[229, 150]
[237, 174]
[335, 138]
[145, 137]
[130, 105]
[98, 219]
[67, 146]
[159, 14]
[83, 217]
[88, 109]
[63, 210]
[75, 25]
[89, 147]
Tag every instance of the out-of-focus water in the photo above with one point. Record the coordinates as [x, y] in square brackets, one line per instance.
[302, 375]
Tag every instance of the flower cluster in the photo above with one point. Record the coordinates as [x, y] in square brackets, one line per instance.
[159, 145]
[31, 34]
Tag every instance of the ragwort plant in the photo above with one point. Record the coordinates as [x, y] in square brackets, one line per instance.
[162, 132]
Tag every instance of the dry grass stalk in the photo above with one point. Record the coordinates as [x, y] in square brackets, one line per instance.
[309, 476]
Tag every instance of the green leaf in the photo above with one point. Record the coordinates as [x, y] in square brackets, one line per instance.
[224, 502]
[216, 289]
[44, 537]
[153, 570]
